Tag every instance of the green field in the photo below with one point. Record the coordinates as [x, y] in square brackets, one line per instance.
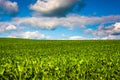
[22, 59]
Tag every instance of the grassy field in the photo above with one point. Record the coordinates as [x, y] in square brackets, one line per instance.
[22, 59]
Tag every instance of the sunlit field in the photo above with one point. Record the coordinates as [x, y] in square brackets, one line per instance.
[23, 59]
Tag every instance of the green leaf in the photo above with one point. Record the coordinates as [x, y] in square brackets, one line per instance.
[2, 71]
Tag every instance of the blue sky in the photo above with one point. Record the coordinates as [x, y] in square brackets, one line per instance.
[60, 19]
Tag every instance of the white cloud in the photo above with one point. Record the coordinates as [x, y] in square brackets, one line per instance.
[70, 21]
[111, 37]
[6, 26]
[77, 38]
[8, 6]
[11, 27]
[53, 7]
[29, 35]
[43, 23]
[117, 26]
[106, 32]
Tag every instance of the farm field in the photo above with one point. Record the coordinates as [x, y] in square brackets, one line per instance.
[24, 59]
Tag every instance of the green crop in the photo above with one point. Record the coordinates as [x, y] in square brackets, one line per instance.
[22, 59]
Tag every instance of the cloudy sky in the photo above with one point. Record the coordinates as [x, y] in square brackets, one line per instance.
[60, 19]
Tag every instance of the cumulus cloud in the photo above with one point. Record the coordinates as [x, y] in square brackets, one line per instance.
[70, 21]
[117, 26]
[106, 32]
[55, 7]
[30, 35]
[6, 26]
[8, 6]
[11, 27]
